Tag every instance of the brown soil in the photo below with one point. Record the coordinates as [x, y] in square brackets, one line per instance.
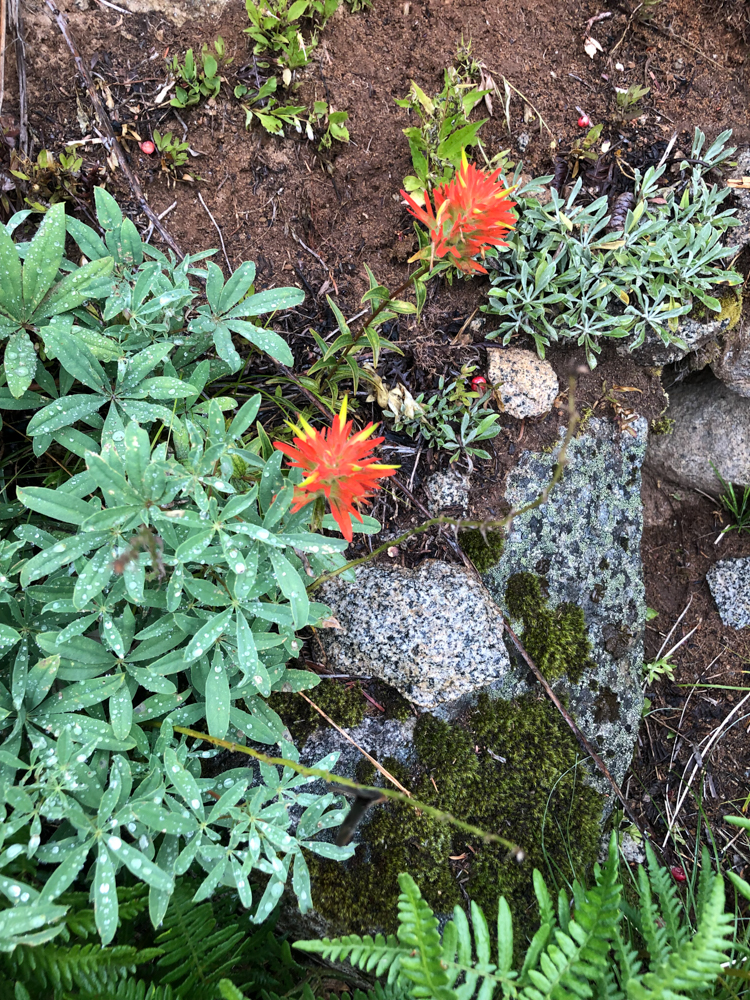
[315, 219]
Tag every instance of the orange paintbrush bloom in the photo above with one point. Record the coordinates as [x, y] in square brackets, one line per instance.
[338, 467]
[472, 212]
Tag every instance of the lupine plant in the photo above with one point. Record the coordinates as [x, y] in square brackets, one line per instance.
[159, 581]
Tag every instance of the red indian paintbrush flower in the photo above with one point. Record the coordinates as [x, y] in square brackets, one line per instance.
[473, 212]
[338, 467]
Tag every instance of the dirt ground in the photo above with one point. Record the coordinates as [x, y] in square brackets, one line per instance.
[314, 219]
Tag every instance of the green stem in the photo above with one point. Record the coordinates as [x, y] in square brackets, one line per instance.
[316, 772]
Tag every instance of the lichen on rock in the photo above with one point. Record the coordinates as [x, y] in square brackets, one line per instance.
[585, 543]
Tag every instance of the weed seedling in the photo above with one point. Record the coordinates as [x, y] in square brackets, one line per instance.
[173, 152]
[629, 102]
[198, 82]
[736, 505]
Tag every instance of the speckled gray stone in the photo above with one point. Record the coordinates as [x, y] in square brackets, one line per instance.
[525, 384]
[433, 632]
[739, 236]
[585, 542]
[449, 489]
[729, 583]
[733, 364]
[711, 426]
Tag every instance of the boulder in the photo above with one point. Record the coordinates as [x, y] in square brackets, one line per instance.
[447, 490]
[583, 545]
[525, 384]
[732, 366]
[433, 633]
[729, 583]
[711, 428]
[482, 742]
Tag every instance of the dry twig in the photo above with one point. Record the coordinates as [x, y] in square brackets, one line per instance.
[16, 25]
[329, 720]
[218, 230]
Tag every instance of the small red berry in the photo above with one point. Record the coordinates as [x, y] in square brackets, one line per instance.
[148, 147]
[678, 874]
[479, 383]
[584, 122]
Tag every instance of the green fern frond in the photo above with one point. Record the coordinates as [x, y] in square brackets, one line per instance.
[697, 963]
[196, 953]
[418, 932]
[126, 989]
[705, 883]
[669, 901]
[649, 921]
[378, 955]
[578, 958]
[53, 966]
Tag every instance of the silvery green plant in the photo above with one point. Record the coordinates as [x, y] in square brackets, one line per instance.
[452, 419]
[564, 276]
[161, 585]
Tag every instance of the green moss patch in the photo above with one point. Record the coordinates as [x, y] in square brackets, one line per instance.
[345, 705]
[484, 550]
[512, 770]
[555, 638]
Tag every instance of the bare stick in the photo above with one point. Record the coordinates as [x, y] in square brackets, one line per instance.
[218, 230]
[3, 21]
[106, 125]
[16, 22]
[386, 774]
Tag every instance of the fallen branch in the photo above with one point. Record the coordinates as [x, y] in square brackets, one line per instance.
[579, 735]
[16, 24]
[386, 774]
[110, 141]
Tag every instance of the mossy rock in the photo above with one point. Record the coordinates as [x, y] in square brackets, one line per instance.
[483, 548]
[511, 768]
[555, 638]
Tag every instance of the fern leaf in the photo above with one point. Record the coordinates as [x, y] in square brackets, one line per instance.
[196, 954]
[576, 959]
[697, 963]
[87, 966]
[126, 989]
[705, 883]
[670, 904]
[653, 934]
[378, 955]
[418, 932]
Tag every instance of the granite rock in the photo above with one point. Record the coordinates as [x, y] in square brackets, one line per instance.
[585, 544]
[711, 426]
[732, 366]
[433, 633]
[447, 490]
[739, 236]
[729, 583]
[525, 384]
[179, 11]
